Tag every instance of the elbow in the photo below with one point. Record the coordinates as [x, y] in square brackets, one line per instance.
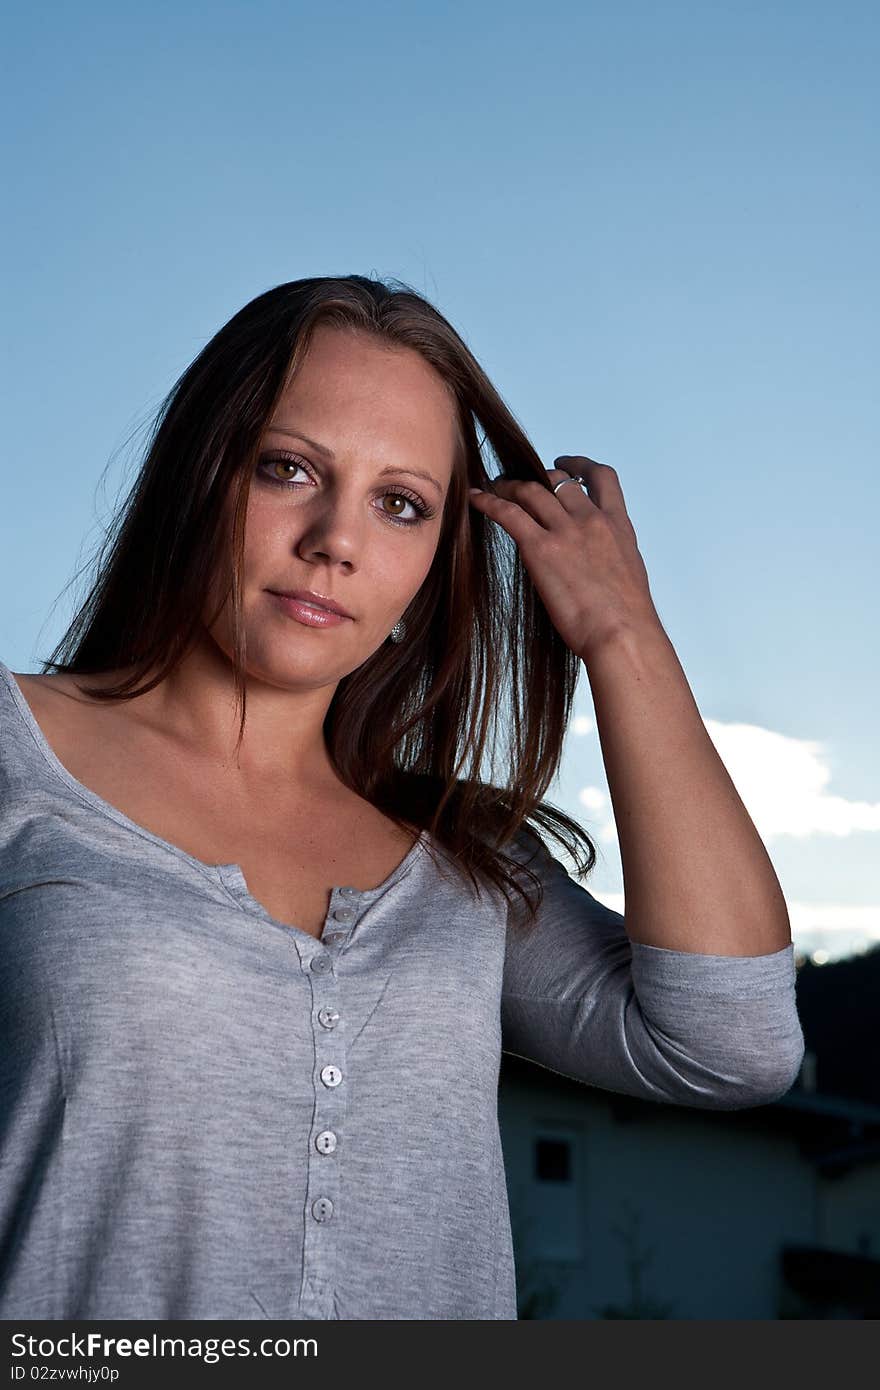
[766, 1081]
[788, 1069]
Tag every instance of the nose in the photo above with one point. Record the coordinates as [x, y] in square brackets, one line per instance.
[329, 530]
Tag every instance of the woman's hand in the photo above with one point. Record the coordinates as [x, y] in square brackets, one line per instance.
[580, 551]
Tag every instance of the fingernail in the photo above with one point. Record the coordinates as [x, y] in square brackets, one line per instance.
[472, 490]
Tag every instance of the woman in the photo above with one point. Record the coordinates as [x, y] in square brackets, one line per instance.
[265, 927]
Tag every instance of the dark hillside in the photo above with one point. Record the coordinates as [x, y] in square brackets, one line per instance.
[839, 1008]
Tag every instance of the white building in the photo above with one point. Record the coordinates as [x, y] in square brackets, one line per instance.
[629, 1208]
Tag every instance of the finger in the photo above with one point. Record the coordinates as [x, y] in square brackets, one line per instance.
[540, 500]
[573, 497]
[535, 498]
[601, 479]
[515, 519]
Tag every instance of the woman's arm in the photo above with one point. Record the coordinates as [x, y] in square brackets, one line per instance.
[581, 997]
[696, 874]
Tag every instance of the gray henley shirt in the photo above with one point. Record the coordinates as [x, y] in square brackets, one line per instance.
[206, 1113]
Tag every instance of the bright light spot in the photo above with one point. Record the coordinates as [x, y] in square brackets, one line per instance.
[593, 798]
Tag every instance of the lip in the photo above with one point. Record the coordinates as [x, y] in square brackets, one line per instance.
[304, 613]
[317, 600]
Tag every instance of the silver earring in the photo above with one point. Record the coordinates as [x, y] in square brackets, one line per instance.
[398, 632]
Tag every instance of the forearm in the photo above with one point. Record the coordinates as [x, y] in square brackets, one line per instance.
[696, 874]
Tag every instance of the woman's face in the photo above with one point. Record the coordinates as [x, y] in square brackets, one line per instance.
[356, 521]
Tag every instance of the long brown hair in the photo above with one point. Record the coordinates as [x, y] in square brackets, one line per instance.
[408, 729]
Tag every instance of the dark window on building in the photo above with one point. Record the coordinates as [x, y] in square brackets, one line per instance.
[553, 1160]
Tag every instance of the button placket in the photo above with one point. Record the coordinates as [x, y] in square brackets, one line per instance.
[323, 1200]
[342, 916]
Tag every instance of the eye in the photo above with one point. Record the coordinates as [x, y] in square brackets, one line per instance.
[278, 469]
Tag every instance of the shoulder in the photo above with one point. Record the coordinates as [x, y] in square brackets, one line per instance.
[48, 694]
[78, 682]
[35, 684]
[67, 716]
[49, 689]
[527, 847]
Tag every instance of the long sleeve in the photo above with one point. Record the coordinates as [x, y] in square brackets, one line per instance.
[580, 998]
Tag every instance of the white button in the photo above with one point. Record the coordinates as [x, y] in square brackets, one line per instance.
[320, 964]
[325, 1143]
[331, 1076]
[350, 892]
[328, 1018]
[343, 914]
[322, 1209]
[333, 935]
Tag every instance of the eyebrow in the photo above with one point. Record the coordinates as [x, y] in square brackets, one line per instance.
[328, 453]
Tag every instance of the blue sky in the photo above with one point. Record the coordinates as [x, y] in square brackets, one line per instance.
[656, 226]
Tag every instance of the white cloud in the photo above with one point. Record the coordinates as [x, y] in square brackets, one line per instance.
[783, 783]
[838, 928]
[854, 917]
[807, 919]
[819, 930]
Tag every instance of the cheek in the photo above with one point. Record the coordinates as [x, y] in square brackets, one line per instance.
[255, 543]
[429, 553]
[261, 515]
[408, 576]
[266, 533]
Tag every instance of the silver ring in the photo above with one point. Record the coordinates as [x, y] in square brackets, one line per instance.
[571, 480]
